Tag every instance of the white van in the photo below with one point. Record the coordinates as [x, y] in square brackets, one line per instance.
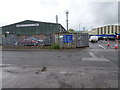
[93, 39]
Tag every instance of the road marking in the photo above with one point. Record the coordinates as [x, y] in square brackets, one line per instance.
[102, 46]
[63, 72]
[112, 46]
[106, 50]
[94, 58]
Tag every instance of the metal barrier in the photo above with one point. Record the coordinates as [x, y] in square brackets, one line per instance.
[16, 40]
[73, 40]
[65, 40]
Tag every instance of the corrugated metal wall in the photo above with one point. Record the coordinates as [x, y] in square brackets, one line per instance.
[43, 28]
[0, 35]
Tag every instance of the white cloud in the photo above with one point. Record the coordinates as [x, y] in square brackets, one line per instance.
[87, 13]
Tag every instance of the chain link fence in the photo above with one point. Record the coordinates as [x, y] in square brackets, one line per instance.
[27, 40]
[64, 40]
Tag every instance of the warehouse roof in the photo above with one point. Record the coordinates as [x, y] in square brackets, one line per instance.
[33, 27]
[32, 22]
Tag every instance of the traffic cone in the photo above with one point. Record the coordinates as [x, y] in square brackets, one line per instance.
[108, 43]
[116, 45]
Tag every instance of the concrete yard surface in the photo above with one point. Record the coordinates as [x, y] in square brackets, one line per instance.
[58, 77]
[91, 67]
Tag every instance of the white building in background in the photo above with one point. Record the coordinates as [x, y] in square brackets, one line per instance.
[109, 29]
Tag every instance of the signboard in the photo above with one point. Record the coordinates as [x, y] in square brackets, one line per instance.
[27, 25]
[68, 38]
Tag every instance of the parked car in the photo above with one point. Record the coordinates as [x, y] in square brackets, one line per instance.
[39, 40]
[100, 38]
[111, 38]
[31, 41]
[93, 39]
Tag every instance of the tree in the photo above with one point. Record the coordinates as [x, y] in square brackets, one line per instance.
[71, 30]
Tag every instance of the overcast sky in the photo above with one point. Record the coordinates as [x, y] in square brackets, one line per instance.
[86, 14]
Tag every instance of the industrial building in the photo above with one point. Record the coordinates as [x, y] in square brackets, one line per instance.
[109, 29]
[0, 35]
[29, 27]
[43, 31]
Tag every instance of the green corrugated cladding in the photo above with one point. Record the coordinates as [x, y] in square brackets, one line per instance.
[0, 30]
[0, 35]
[43, 28]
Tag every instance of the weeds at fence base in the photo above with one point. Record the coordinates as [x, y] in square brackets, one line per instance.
[55, 46]
[25, 47]
[20, 47]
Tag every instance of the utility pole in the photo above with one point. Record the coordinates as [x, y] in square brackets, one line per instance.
[67, 12]
[83, 28]
[56, 18]
[91, 28]
[79, 26]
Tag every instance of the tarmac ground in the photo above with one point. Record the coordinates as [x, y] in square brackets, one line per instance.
[91, 67]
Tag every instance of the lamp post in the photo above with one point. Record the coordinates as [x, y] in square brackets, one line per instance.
[79, 26]
[67, 12]
[83, 28]
[7, 32]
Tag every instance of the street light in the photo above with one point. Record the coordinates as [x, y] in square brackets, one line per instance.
[79, 26]
[91, 27]
[67, 12]
[83, 28]
[7, 32]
